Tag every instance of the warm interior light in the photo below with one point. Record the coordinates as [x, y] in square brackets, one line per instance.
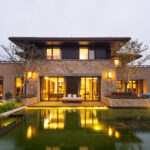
[109, 75]
[46, 78]
[84, 53]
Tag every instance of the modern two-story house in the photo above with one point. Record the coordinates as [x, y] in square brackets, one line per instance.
[81, 66]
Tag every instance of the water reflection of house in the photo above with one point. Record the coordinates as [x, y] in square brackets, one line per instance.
[88, 118]
[57, 119]
[53, 119]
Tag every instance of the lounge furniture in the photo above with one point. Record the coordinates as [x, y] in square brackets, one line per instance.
[72, 99]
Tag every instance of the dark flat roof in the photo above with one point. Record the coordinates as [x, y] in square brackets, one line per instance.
[69, 39]
[47, 41]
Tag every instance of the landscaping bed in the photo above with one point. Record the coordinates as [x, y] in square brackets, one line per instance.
[126, 100]
[127, 95]
[4, 107]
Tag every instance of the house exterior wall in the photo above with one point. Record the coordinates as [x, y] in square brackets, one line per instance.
[62, 68]
[142, 74]
[81, 68]
[8, 72]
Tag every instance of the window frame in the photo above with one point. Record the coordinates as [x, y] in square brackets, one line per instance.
[16, 86]
[52, 57]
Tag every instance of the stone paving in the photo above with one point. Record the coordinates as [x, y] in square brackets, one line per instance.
[60, 104]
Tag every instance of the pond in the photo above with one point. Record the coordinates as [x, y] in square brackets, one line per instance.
[78, 129]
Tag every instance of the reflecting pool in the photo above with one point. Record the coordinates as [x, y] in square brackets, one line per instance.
[78, 129]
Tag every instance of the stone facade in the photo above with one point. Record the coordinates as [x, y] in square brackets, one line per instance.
[30, 101]
[62, 68]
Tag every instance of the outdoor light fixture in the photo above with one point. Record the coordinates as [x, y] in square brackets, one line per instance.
[116, 61]
[109, 75]
[30, 74]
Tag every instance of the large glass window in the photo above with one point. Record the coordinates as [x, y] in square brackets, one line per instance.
[91, 54]
[82, 89]
[89, 89]
[1, 88]
[53, 53]
[83, 53]
[53, 88]
[19, 86]
[49, 54]
[132, 86]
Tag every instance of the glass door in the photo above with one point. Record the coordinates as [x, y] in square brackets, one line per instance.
[53, 88]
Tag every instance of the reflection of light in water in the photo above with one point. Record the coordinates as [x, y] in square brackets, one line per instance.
[83, 148]
[29, 132]
[89, 118]
[54, 119]
[52, 148]
[70, 108]
[50, 117]
[110, 131]
[46, 123]
[117, 134]
[98, 127]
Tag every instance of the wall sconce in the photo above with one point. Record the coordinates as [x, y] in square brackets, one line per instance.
[29, 74]
[117, 62]
[109, 75]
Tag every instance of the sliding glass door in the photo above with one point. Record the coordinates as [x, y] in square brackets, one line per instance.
[52, 88]
[90, 88]
[55, 88]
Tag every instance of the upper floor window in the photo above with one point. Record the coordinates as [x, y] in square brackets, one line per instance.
[86, 53]
[91, 54]
[53, 53]
[83, 53]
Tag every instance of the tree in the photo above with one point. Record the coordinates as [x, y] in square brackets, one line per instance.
[130, 58]
[23, 56]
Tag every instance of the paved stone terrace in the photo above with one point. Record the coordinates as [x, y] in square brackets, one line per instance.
[60, 104]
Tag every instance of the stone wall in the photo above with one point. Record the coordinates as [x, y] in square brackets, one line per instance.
[61, 68]
[126, 102]
[30, 101]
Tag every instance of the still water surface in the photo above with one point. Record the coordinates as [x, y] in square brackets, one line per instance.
[79, 129]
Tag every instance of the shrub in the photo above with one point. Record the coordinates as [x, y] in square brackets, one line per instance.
[18, 99]
[8, 95]
[9, 106]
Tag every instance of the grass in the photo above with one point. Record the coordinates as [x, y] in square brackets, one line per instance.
[9, 106]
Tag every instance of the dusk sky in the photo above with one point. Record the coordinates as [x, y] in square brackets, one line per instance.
[75, 18]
